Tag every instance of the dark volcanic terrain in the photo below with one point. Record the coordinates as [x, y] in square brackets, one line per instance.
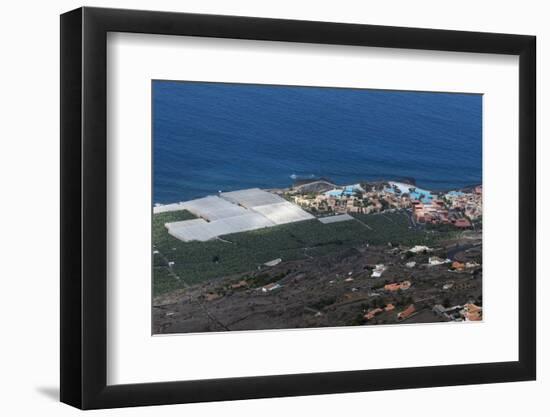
[331, 290]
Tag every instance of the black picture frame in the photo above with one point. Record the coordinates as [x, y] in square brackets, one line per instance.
[84, 207]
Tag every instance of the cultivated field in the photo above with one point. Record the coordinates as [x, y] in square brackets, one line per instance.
[195, 262]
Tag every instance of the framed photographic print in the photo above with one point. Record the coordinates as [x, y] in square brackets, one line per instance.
[257, 208]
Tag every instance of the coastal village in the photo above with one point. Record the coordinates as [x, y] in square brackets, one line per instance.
[434, 275]
[458, 208]
[461, 209]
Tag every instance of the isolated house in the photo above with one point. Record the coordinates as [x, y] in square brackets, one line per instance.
[389, 307]
[459, 266]
[394, 286]
[271, 287]
[405, 314]
[472, 312]
[371, 314]
[435, 260]
[377, 273]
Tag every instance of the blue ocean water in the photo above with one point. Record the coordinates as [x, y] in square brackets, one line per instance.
[213, 136]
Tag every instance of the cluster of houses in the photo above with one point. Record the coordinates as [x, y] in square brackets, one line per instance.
[466, 312]
[457, 208]
[375, 311]
[468, 203]
[402, 315]
[434, 212]
[351, 199]
[337, 202]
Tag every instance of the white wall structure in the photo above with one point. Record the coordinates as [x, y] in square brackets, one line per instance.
[164, 208]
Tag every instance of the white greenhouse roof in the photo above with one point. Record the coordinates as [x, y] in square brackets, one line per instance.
[282, 213]
[198, 229]
[335, 219]
[252, 197]
[189, 230]
[236, 211]
[213, 208]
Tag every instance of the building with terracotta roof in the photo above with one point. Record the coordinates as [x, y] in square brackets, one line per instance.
[472, 312]
[240, 284]
[405, 314]
[372, 313]
[434, 212]
[394, 286]
[271, 287]
[459, 266]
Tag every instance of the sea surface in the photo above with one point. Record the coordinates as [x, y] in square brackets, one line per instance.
[210, 137]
